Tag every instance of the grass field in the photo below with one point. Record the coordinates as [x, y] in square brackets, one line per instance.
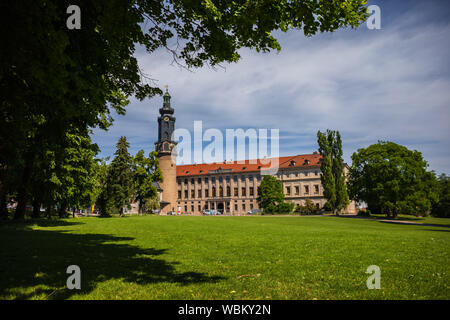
[263, 257]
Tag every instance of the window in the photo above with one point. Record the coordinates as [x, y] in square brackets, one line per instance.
[235, 178]
[250, 178]
[297, 190]
[306, 174]
[206, 180]
[235, 207]
[288, 191]
[199, 180]
[199, 208]
[243, 192]
[228, 191]
[258, 178]
[192, 193]
[243, 206]
[227, 179]
[179, 181]
[251, 191]
[251, 206]
[206, 193]
[316, 189]
[192, 180]
[220, 179]
[236, 192]
[199, 193]
[185, 181]
[213, 179]
[221, 191]
[185, 208]
[316, 173]
[179, 194]
[185, 194]
[192, 208]
[214, 191]
[306, 189]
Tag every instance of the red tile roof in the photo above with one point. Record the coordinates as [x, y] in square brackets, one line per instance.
[299, 161]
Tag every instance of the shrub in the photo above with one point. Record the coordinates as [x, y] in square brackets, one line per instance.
[364, 213]
[285, 207]
[308, 209]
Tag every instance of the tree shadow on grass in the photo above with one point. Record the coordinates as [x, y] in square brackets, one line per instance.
[33, 263]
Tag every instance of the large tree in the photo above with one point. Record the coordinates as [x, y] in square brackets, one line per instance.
[442, 207]
[146, 171]
[392, 179]
[270, 194]
[332, 167]
[53, 77]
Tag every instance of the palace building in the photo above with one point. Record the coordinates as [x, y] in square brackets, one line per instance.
[230, 187]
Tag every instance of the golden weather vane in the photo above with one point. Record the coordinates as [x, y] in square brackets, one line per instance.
[167, 87]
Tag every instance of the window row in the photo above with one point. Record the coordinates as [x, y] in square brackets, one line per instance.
[295, 190]
[213, 206]
[220, 192]
[220, 179]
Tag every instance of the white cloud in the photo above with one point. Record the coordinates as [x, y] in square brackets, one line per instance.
[392, 84]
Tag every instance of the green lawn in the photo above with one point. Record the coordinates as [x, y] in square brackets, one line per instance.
[261, 257]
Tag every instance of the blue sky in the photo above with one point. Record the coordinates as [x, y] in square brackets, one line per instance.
[389, 84]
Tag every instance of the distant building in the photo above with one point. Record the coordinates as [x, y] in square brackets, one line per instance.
[230, 187]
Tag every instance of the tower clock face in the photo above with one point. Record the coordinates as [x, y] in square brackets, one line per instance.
[166, 119]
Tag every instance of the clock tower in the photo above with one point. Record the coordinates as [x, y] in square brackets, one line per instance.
[166, 148]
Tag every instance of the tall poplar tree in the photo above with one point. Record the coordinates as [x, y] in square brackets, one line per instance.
[332, 167]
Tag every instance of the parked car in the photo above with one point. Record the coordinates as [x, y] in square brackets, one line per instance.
[254, 211]
[206, 212]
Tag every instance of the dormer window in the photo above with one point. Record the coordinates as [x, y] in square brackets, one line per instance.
[292, 163]
[244, 168]
[306, 162]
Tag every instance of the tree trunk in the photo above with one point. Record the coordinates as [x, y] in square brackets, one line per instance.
[49, 212]
[23, 189]
[73, 212]
[3, 209]
[62, 211]
[36, 209]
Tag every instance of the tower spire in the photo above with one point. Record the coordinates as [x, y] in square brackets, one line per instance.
[166, 103]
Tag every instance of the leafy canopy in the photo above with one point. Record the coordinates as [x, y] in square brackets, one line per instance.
[392, 179]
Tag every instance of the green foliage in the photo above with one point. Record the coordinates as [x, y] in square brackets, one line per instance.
[120, 177]
[364, 213]
[441, 208]
[285, 207]
[146, 171]
[332, 168]
[271, 197]
[54, 79]
[270, 194]
[392, 179]
[307, 209]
